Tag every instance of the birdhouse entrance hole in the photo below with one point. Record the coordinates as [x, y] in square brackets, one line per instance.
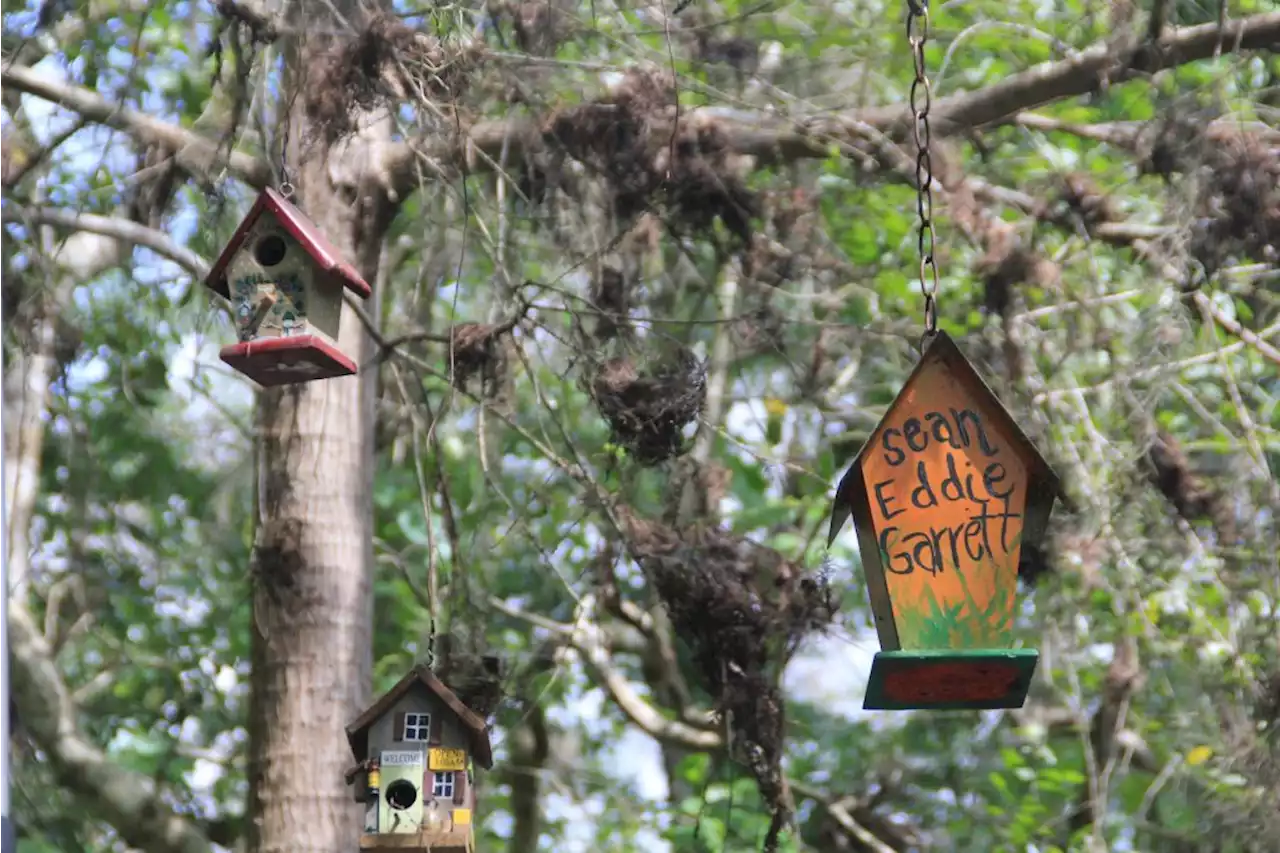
[270, 250]
[401, 794]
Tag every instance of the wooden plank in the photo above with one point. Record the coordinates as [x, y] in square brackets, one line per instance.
[963, 679]
[456, 841]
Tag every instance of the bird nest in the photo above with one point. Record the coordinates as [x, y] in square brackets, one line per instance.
[742, 609]
[630, 139]
[1237, 204]
[386, 62]
[477, 349]
[648, 408]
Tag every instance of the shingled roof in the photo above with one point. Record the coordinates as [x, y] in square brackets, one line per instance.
[476, 729]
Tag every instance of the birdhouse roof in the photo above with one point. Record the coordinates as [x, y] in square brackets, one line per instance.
[302, 229]
[944, 350]
[476, 729]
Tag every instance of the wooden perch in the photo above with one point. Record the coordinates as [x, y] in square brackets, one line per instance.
[354, 770]
[266, 302]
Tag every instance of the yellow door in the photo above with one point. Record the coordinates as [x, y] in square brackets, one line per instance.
[400, 801]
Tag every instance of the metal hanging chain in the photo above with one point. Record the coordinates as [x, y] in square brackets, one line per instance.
[921, 101]
[286, 185]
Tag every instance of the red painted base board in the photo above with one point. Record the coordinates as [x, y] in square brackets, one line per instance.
[964, 679]
[288, 360]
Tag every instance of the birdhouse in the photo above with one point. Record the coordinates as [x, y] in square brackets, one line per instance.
[415, 750]
[943, 495]
[284, 281]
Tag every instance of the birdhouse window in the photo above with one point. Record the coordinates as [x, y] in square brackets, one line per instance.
[417, 727]
[270, 250]
[443, 789]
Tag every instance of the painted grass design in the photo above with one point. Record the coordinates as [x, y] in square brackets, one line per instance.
[962, 624]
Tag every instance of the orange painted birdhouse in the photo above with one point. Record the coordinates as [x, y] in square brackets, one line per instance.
[284, 281]
[943, 495]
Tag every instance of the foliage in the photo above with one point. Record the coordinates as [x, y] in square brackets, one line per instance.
[1109, 261]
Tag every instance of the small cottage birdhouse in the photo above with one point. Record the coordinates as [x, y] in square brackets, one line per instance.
[943, 495]
[284, 281]
[415, 750]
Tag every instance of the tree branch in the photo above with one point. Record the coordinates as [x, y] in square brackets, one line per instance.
[93, 107]
[529, 746]
[718, 384]
[1125, 134]
[131, 802]
[114, 226]
[29, 160]
[748, 133]
[1052, 81]
[839, 811]
[588, 639]
[772, 140]
[127, 800]
[1234, 327]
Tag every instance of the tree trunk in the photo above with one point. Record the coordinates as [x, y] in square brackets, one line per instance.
[313, 554]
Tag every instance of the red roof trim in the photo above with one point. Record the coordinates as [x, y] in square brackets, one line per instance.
[217, 277]
[302, 229]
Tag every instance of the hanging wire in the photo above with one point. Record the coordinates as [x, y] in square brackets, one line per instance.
[7, 835]
[921, 101]
[286, 185]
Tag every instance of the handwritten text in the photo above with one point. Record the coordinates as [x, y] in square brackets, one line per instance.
[966, 496]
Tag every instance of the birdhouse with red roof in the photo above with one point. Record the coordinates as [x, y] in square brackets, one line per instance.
[284, 281]
[416, 750]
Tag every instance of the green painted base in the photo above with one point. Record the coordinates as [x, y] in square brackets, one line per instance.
[947, 680]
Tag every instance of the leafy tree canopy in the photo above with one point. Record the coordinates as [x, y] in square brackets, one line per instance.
[650, 282]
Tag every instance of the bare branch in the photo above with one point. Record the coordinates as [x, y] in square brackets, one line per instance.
[1124, 134]
[93, 107]
[100, 683]
[588, 639]
[1234, 327]
[71, 586]
[718, 383]
[530, 747]
[15, 172]
[773, 140]
[840, 814]
[119, 228]
[1157, 19]
[1052, 81]
[748, 133]
[1258, 341]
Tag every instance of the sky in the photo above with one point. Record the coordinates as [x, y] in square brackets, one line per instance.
[829, 671]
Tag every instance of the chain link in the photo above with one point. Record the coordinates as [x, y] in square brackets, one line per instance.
[921, 101]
